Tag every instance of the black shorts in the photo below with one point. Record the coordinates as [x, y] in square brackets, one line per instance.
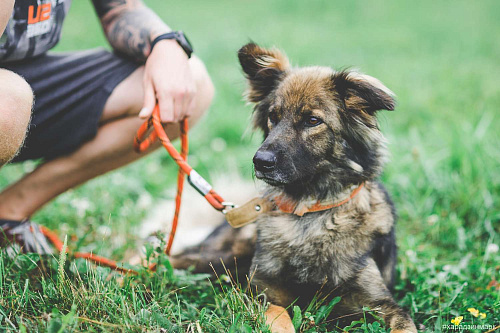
[70, 92]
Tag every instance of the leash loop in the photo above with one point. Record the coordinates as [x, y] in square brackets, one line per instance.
[154, 127]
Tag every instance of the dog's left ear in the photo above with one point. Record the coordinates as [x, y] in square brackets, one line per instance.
[263, 69]
[362, 92]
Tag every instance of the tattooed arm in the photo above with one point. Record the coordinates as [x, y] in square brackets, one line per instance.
[130, 27]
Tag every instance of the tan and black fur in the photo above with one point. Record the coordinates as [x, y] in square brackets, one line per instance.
[321, 139]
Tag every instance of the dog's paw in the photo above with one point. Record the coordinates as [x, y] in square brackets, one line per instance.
[410, 328]
[402, 323]
[278, 320]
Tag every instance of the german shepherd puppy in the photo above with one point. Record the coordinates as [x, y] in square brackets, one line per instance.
[322, 142]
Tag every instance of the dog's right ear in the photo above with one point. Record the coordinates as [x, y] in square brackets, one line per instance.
[263, 69]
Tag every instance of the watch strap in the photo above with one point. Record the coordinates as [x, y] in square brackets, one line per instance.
[179, 37]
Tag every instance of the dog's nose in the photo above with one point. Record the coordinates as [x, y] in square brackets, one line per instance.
[264, 160]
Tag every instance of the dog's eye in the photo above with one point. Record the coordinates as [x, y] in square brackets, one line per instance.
[312, 121]
[273, 117]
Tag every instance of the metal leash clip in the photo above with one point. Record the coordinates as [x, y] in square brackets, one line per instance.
[227, 204]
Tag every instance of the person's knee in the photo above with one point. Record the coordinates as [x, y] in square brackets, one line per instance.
[204, 88]
[16, 100]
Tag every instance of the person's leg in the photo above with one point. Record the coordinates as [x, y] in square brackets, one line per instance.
[16, 100]
[110, 149]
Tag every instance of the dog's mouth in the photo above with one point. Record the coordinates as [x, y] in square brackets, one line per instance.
[271, 178]
[285, 181]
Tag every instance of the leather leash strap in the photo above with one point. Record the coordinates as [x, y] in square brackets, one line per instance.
[249, 212]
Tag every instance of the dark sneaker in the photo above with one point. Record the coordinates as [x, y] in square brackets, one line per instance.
[26, 234]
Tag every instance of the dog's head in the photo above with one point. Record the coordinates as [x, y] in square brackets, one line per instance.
[319, 125]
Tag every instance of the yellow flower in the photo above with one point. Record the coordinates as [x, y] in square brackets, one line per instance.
[474, 312]
[456, 321]
[482, 315]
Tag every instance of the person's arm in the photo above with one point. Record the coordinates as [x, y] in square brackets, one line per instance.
[130, 27]
[6, 7]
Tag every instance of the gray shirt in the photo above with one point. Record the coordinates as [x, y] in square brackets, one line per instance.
[33, 29]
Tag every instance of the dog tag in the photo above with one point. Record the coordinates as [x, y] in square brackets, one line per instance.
[248, 213]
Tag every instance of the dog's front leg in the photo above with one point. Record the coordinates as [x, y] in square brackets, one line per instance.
[373, 292]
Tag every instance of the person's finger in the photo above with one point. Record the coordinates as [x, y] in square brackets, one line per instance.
[178, 107]
[191, 107]
[149, 100]
[185, 105]
[166, 105]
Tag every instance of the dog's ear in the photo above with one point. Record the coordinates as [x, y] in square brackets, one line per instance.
[362, 93]
[263, 68]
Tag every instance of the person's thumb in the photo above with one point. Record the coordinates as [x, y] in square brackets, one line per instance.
[149, 101]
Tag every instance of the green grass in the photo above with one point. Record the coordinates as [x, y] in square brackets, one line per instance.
[440, 58]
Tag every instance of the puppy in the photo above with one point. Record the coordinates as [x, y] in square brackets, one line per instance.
[333, 226]
[322, 148]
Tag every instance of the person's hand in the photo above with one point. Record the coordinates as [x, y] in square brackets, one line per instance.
[168, 79]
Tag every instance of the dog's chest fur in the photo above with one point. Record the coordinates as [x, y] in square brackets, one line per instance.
[324, 246]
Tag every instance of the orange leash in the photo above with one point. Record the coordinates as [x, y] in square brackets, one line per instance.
[58, 244]
[141, 144]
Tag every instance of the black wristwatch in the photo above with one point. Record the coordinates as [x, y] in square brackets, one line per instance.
[179, 37]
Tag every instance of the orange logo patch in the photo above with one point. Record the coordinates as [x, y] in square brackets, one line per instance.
[42, 13]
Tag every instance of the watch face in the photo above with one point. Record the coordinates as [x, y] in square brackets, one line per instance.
[185, 41]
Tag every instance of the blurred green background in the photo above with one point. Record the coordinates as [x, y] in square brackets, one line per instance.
[441, 58]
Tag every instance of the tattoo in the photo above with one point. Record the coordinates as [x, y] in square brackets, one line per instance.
[103, 7]
[129, 26]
